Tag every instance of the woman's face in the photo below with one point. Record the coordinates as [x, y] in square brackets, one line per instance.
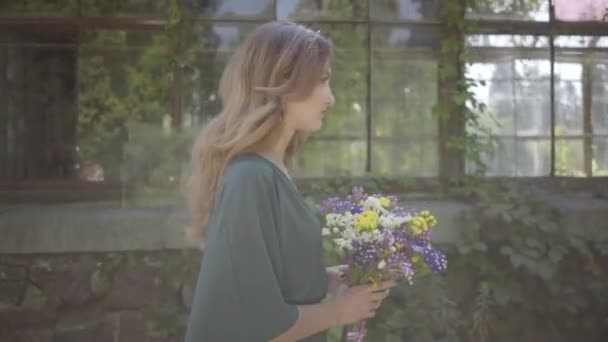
[307, 114]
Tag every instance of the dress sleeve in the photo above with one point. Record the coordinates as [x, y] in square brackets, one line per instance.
[240, 266]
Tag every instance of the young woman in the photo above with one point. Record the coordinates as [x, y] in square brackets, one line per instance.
[262, 276]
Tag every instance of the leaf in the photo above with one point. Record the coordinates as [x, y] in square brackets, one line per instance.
[517, 260]
[532, 242]
[506, 250]
[480, 246]
[579, 245]
[502, 295]
[556, 254]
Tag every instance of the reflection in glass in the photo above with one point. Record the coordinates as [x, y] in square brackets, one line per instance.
[207, 48]
[348, 80]
[142, 8]
[404, 84]
[321, 9]
[229, 9]
[569, 157]
[413, 158]
[581, 10]
[37, 113]
[39, 7]
[124, 82]
[513, 82]
[517, 158]
[534, 10]
[568, 98]
[413, 10]
[599, 99]
[323, 158]
[600, 157]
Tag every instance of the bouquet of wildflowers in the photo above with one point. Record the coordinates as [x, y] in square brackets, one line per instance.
[379, 240]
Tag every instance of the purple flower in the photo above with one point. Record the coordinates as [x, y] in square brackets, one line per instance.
[434, 259]
[356, 208]
[358, 193]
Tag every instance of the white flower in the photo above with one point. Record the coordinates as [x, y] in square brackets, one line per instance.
[325, 231]
[372, 203]
[336, 230]
[393, 249]
[349, 233]
[381, 264]
[343, 243]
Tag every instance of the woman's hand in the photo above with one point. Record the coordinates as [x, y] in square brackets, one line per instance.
[335, 277]
[358, 303]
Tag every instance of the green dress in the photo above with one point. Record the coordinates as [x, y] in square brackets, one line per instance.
[263, 257]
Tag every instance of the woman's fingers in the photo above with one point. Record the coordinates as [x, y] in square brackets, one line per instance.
[379, 296]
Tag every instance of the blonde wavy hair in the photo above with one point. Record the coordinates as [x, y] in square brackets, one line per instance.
[279, 61]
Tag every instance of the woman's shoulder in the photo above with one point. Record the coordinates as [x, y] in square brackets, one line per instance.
[249, 167]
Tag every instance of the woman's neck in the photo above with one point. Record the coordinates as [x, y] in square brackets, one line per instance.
[275, 145]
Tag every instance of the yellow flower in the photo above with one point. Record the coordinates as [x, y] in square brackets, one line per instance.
[385, 202]
[417, 225]
[416, 259]
[430, 220]
[366, 221]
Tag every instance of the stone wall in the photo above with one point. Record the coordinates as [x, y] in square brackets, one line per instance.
[96, 297]
[107, 273]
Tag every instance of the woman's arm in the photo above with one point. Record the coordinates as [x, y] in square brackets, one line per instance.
[311, 320]
[350, 305]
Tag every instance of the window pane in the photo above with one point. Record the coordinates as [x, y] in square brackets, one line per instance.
[581, 10]
[349, 80]
[517, 158]
[37, 112]
[599, 99]
[144, 8]
[404, 92]
[574, 54]
[513, 76]
[536, 10]
[322, 158]
[229, 9]
[39, 7]
[321, 9]
[405, 158]
[600, 157]
[124, 80]
[207, 48]
[427, 10]
[569, 158]
[404, 82]
[532, 158]
[568, 98]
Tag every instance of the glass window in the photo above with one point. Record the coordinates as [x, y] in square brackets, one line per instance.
[533, 10]
[513, 74]
[569, 160]
[344, 128]
[599, 99]
[600, 158]
[207, 48]
[410, 10]
[349, 80]
[581, 10]
[404, 92]
[39, 8]
[410, 157]
[321, 9]
[143, 8]
[37, 112]
[327, 158]
[580, 77]
[229, 9]
[124, 100]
